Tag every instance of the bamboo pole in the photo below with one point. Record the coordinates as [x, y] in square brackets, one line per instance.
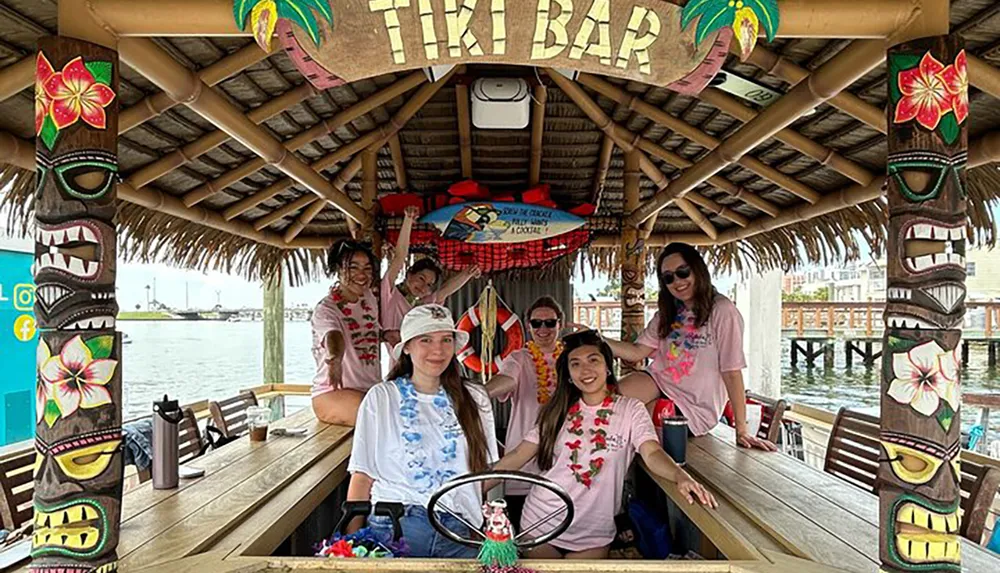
[369, 195]
[692, 133]
[17, 77]
[603, 162]
[211, 140]
[464, 128]
[398, 163]
[825, 155]
[537, 131]
[185, 86]
[321, 129]
[274, 328]
[984, 76]
[799, 18]
[846, 102]
[265, 194]
[17, 152]
[838, 73]
[985, 150]
[628, 141]
[654, 241]
[284, 211]
[632, 258]
[151, 106]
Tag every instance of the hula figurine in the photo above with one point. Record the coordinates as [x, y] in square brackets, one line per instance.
[498, 547]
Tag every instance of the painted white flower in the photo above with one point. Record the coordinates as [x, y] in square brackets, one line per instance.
[924, 376]
[77, 379]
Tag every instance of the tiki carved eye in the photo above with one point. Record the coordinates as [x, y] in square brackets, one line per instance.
[921, 175]
[89, 462]
[916, 467]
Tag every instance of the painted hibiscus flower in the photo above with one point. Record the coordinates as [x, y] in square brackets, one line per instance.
[77, 379]
[924, 376]
[77, 95]
[43, 71]
[956, 81]
[43, 389]
[925, 94]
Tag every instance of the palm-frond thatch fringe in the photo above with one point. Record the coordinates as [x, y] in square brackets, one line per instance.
[983, 186]
[17, 198]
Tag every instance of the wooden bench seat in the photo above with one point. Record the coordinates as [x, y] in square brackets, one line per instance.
[17, 488]
[853, 451]
[229, 416]
[979, 489]
[771, 415]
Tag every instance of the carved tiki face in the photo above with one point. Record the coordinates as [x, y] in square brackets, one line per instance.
[926, 187]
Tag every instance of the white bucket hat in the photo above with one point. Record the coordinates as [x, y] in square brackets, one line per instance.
[425, 319]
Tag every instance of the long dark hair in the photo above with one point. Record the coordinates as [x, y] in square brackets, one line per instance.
[553, 414]
[465, 406]
[340, 254]
[704, 292]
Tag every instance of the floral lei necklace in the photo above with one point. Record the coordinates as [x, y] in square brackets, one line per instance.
[364, 335]
[427, 471]
[544, 374]
[598, 439]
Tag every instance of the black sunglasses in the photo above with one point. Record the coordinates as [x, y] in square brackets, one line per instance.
[547, 323]
[681, 273]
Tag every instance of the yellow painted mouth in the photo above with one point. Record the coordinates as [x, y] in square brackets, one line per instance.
[925, 536]
[75, 528]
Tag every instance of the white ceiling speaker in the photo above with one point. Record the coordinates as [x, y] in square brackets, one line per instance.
[501, 103]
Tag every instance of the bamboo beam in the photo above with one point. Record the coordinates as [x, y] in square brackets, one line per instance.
[322, 128]
[152, 106]
[537, 131]
[799, 18]
[211, 140]
[603, 162]
[20, 153]
[825, 155]
[464, 128]
[653, 241]
[984, 76]
[284, 211]
[303, 221]
[846, 102]
[838, 73]
[398, 163]
[17, 77]
[184, 86]
[692, 133]
[985, 150]
[244, 205]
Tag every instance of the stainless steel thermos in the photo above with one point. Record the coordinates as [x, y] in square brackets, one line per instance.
[167, 415]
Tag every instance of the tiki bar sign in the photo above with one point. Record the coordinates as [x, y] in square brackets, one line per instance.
[640, 40]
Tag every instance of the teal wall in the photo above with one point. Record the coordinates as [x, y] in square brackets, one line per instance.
[18, 341]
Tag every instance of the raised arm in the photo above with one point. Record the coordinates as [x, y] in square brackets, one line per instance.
[660, 464]
[628, 351]
[403, 245]
[456, 282]
[500, 385]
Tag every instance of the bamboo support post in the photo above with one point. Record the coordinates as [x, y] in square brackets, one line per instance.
[984, 76]
[211, 140]
[537, 132]
[692, 133]
[274, 329]
[398, 162]
[632, 255]
[152, 106]
[601, 175]
[185, 86]
[790, 137]
[841, 71]
[310, 135]
[17, 77]
[464, 128]
[846, 102]
[369, 194]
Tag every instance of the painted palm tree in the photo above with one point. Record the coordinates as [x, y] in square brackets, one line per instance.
[746, 17]
[264, 16]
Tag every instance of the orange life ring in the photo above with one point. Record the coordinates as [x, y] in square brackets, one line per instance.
[509, 323]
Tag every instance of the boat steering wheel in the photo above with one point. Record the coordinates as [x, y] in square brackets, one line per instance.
[435, 502]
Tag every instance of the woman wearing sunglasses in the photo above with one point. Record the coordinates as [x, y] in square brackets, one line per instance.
[528, 379]
[696, 342]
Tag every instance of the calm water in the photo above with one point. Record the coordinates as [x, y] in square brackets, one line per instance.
[199, 360]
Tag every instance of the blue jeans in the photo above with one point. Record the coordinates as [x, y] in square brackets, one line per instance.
[420, 535]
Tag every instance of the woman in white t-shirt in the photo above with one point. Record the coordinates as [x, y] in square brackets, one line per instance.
[420, 428]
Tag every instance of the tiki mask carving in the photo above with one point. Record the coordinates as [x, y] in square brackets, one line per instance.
[78, 475]
[919, 472]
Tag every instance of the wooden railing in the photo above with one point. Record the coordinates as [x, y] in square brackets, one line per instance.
[982, 319]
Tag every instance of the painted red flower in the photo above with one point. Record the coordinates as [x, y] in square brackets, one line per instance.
[75, 95]
[956, 81]
[43, 103]
[575, 445]
[925, 94]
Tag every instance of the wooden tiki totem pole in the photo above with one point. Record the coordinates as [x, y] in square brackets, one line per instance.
[633, 263]
[78, 475]
[921, 393]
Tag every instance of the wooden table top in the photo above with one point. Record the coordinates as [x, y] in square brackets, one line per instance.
[252, 496]
[807, 512]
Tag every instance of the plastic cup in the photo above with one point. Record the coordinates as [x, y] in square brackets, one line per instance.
[258, 419]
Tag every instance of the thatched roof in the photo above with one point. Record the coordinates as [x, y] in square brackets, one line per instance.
[431, 152]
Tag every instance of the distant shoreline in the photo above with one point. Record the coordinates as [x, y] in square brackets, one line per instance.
[146, 315]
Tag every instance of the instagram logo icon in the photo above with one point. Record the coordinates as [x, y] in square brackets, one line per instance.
[24, 297]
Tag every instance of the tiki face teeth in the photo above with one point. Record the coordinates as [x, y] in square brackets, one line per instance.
[71, 529]
[69, 236]
[926, 536]
[948, 296]
[922, 255]
[93, 323]
[50, 294]
[909, 322]
[896, 293]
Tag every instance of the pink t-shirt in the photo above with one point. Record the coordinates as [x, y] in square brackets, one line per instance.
[394, 304]
[524, 406]
[594, 519]
[358, 322]
[688, 364]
